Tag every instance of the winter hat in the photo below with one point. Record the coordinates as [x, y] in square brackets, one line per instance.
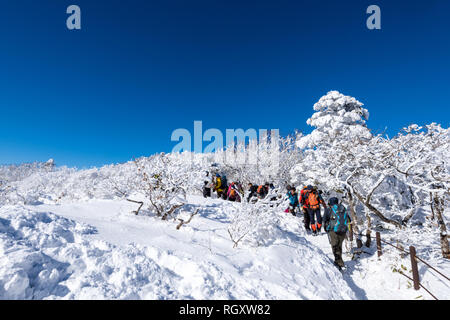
[333, 201]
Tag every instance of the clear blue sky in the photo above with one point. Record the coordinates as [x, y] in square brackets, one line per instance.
[140, 69]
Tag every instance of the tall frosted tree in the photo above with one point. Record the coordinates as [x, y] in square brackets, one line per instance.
[339, 122]
[337, 117]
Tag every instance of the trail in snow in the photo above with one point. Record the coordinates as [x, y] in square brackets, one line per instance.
[103, 251]
[99, 250]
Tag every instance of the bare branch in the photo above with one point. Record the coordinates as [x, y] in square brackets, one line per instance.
[182, 222]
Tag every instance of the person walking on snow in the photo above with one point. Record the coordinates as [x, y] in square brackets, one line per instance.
[233, 192]
[263, 191]
[293, 200]
[303, 202]
[336, 223]
[253, 191]
[219, 187]
[314, 200]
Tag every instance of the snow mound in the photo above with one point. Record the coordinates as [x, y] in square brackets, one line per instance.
[47, 256]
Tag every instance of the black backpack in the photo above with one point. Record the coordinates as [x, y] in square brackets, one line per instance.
[224, 182]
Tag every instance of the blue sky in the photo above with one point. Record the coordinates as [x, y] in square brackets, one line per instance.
[140, 69]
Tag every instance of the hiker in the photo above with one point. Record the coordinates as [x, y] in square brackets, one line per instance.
[253, 189]
[219, 187]
[303, 202]
[224, 186]
[336, 222]
[206, 190]
[313, 201]
[263, 190]
[272, 192]
[239, 188]
[293, 200]
[207, 186]
[233, 192]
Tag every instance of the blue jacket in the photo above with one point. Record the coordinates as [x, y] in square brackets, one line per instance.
[293, 198]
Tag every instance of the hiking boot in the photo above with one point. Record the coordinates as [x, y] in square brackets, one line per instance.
[337, 265]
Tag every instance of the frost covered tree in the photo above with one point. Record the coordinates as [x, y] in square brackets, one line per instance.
[159, 182]
[421, 159]
[337, 117]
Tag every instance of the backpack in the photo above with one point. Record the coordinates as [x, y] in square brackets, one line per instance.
[313, 200]
[338, 219]
[260, 188]
[224, 182]
[303, 196]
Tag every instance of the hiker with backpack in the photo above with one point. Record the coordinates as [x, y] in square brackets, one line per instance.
[293, 200]
[303, 202]
[336, 222]
[272, 192]
[221, 186]
[207, 186]
[253, 191]
[263, 191]
[313, 200]
[233, 192]
[206, 190]
[225, 187]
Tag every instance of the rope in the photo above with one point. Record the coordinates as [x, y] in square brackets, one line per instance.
[418, 258]
[419, 285]
[398, 248]
[433, 268]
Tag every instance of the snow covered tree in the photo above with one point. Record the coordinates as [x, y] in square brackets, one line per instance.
[337, 117]
[421, 159]
[158, 182]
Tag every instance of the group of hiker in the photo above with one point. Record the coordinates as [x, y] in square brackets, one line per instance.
[234, 191]
[335, 220]
[227, 191]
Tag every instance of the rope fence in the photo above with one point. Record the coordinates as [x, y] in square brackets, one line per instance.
[412, 253]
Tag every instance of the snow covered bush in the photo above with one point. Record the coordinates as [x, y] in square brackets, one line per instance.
[254, 225]
[159, 183]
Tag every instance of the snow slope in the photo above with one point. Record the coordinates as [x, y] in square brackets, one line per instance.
[99, 250]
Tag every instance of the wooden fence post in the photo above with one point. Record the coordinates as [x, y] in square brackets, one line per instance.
[379, 244]
[415, 270]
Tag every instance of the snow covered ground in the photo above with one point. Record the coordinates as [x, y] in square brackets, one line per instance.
[98, 249]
